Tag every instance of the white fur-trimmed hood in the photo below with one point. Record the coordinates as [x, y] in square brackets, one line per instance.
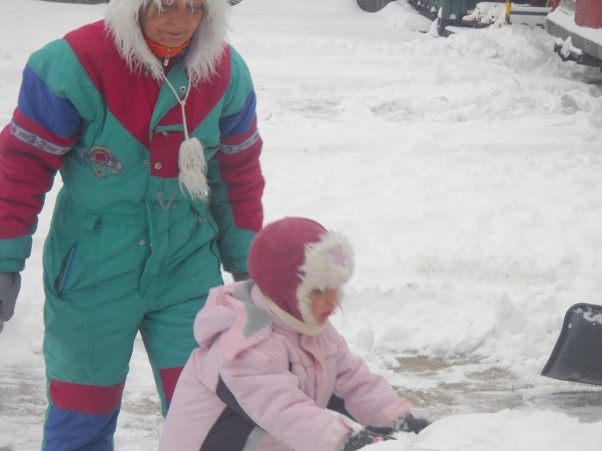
[205, 47]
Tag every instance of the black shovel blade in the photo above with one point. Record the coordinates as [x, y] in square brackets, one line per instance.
[577, 355]
[373, 6]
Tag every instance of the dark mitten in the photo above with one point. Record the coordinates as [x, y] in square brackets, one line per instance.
[10, 284]
[410, 424]
[238, 276]
[357, 440]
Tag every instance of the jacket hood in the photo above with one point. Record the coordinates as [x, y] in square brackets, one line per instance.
[231, 316]
[206, 45]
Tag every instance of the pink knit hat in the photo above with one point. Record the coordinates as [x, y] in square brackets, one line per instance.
[293, 256]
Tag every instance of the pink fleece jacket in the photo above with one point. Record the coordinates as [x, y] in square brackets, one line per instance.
[255, 383]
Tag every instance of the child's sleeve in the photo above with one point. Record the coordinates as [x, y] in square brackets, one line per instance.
[368, 397]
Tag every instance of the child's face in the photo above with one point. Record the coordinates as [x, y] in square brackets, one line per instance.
[323, 303]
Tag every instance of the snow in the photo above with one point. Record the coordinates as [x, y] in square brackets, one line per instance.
[465, 170]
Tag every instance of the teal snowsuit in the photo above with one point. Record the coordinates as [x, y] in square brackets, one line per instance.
[129, 251]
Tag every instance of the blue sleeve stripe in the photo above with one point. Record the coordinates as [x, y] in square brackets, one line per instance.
[38, 102]
[240, 122]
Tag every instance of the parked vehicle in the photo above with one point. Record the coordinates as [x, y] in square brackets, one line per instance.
[577, 26]
[497, 13]
[479, 14]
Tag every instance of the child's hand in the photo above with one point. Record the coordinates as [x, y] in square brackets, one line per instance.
[359, 439]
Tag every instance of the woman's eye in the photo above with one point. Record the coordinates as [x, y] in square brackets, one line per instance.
[168, 4]
[195, 7]
[317, 292]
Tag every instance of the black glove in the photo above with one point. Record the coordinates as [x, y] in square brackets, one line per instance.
[10, 284]
[357, 440]
[238, 276]
[410, 423]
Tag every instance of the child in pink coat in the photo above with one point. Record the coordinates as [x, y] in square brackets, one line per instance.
[271, 372]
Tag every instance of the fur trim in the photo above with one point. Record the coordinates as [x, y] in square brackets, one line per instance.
[206, 45]
[328, 264]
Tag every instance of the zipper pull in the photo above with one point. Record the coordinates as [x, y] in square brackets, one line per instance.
[166, 60]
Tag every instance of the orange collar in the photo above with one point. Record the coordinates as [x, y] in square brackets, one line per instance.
[165, 52]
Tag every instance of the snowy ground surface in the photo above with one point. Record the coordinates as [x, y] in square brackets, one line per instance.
[467, 171]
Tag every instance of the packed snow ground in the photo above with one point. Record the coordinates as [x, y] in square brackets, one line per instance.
[467, 171]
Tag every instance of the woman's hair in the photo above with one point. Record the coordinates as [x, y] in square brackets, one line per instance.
[157, 5]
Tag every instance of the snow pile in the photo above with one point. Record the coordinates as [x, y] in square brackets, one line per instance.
[503, 431]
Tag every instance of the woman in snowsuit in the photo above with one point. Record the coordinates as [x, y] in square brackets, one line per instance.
[270, 366]
[150, 118]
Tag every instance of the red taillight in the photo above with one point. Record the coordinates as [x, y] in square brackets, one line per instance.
[588, 13]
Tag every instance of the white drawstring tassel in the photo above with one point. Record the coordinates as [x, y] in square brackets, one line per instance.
[193, 169]
[191, 159]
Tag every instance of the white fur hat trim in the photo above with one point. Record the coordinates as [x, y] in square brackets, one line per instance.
[328, 264]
